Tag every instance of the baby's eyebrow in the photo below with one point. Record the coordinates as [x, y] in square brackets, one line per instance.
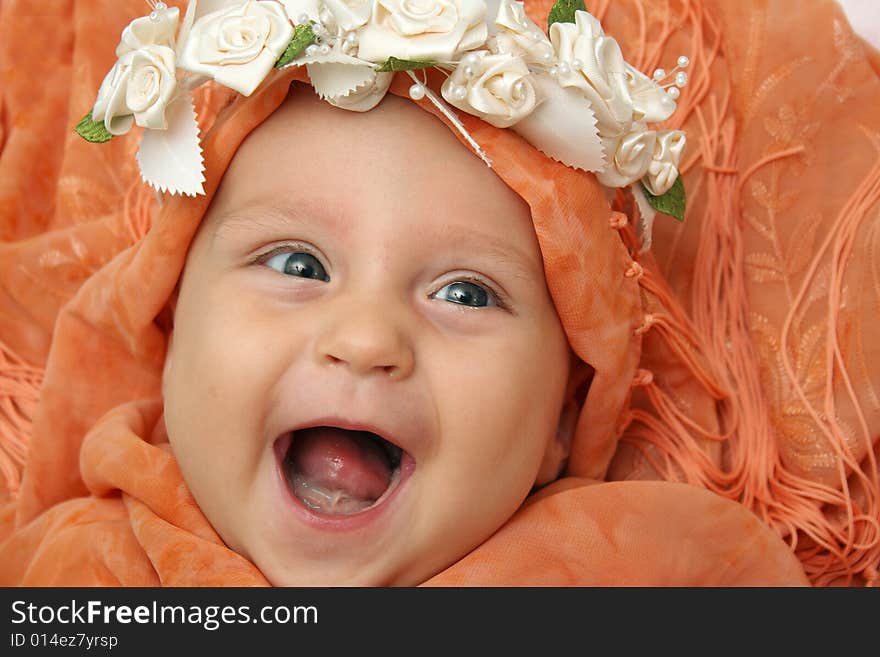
[500, 250]
[261, 215]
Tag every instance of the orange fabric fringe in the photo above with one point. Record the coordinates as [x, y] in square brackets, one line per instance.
[758, 377]
[833, 523]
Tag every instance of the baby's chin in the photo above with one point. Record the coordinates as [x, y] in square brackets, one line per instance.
[279, 572]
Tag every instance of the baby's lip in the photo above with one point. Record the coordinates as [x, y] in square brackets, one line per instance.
[396, 430]
[404, 416]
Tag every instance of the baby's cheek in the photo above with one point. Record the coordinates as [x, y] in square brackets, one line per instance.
[207, 377]
[497, 415]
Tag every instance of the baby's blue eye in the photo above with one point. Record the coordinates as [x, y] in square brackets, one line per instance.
[466, 294]
[298, 263]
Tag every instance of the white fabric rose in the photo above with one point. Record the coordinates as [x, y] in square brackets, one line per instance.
[142, 82]
[145, 31]
[434, 30]
[498, 88]
[663, 169]
[517, 34]
[137, 89]
[350, 14]
[650, 101]
[237, 46]
[597, 69]
[628, 156]
[365, 97]
[297, 8]
[346, 81]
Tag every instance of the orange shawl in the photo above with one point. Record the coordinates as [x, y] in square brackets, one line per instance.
[741, 390]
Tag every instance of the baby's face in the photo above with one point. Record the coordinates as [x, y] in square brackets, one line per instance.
[366, 368]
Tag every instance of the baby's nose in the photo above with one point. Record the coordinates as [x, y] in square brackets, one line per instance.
[368, 341]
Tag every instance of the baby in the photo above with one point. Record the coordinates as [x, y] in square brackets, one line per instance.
[380, 346]
[366, 373]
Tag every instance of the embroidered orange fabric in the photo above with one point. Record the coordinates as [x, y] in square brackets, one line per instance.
[740, 358]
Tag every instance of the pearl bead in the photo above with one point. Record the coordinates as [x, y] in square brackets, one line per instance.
[564, 68]
[683, 61]
[417, 91]
[459, 92]
[161, 6]
[673, 93]
[681, 79]
[468, 71]
[577, 64]
[554, 71]
[154, 16]
[351, 38]
[311, 50]
[546, 56]
[659, 74]
[470, 59]
[536, 36]
[302, 18]
[324, 49]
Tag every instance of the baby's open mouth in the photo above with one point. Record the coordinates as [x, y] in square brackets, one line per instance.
[339, 471]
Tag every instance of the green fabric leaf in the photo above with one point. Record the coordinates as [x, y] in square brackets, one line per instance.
[303, 36]
[563, 11]
[392, 64]
[93, 131]
[671, 203]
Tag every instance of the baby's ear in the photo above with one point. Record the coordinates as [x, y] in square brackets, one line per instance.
[556, 456]
[558, 449]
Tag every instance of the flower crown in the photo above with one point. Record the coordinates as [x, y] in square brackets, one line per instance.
[569, 94]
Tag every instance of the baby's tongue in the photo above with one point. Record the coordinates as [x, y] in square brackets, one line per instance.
[336, 471]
